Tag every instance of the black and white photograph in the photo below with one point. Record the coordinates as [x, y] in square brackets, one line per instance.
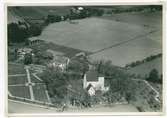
[84, 59]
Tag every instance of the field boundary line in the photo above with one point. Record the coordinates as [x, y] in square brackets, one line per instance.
[17, 85]
[15, 75]
[123, 42]
[34, 74]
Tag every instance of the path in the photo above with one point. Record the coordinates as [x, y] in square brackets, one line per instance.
[29, 83]
[16, 75]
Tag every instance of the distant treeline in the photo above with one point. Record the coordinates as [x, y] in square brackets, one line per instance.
[147, 59]
[75, 14]
[20, 32]
[144, 8]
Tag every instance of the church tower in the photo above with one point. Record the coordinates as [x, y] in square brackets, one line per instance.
[84, 82]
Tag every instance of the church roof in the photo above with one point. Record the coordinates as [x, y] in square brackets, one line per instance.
[93, 75]
[89, 86]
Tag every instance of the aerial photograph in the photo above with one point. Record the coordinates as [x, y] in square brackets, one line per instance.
[84, 59]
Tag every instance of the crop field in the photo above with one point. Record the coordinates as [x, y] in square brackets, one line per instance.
[110, 39]
[145, 68]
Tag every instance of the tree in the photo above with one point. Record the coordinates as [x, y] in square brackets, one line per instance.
[154, 76]
[56, 82]
[17, 34]
[27, 59]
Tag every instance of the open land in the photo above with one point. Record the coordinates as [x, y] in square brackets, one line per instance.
[110, 39]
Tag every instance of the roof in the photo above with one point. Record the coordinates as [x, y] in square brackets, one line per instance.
[89, 86]
[92, 75]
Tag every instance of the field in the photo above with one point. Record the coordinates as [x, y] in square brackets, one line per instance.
[145, 68]
[110, 39]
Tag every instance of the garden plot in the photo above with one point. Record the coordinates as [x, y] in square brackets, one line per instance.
[40, 93]
[16, 69]
[20, 91]
[17, 80]
[91, 34]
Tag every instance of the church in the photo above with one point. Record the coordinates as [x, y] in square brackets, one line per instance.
[92, 82]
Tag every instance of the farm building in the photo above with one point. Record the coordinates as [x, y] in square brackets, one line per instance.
[93, 82]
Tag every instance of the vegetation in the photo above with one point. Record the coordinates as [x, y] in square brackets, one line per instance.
[17, 34]
[154, 76]
[108, 70]
[28, 59]
[80, 65]
[147, 59]
[144, 8]
[56, 83]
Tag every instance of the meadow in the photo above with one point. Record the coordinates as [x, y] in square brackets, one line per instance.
[132, 37]
[145, 68]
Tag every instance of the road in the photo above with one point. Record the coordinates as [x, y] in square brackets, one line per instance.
[27, 108]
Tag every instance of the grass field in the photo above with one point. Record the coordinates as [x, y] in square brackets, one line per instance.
[145, 68]
[91, 34]
[130, 37]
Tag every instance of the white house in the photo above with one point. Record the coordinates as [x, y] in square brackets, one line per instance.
[59, 61]
[93, 82]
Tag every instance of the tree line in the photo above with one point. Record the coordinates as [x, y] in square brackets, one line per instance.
[147, 59]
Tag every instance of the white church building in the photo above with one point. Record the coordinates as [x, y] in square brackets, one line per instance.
[93, 82]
